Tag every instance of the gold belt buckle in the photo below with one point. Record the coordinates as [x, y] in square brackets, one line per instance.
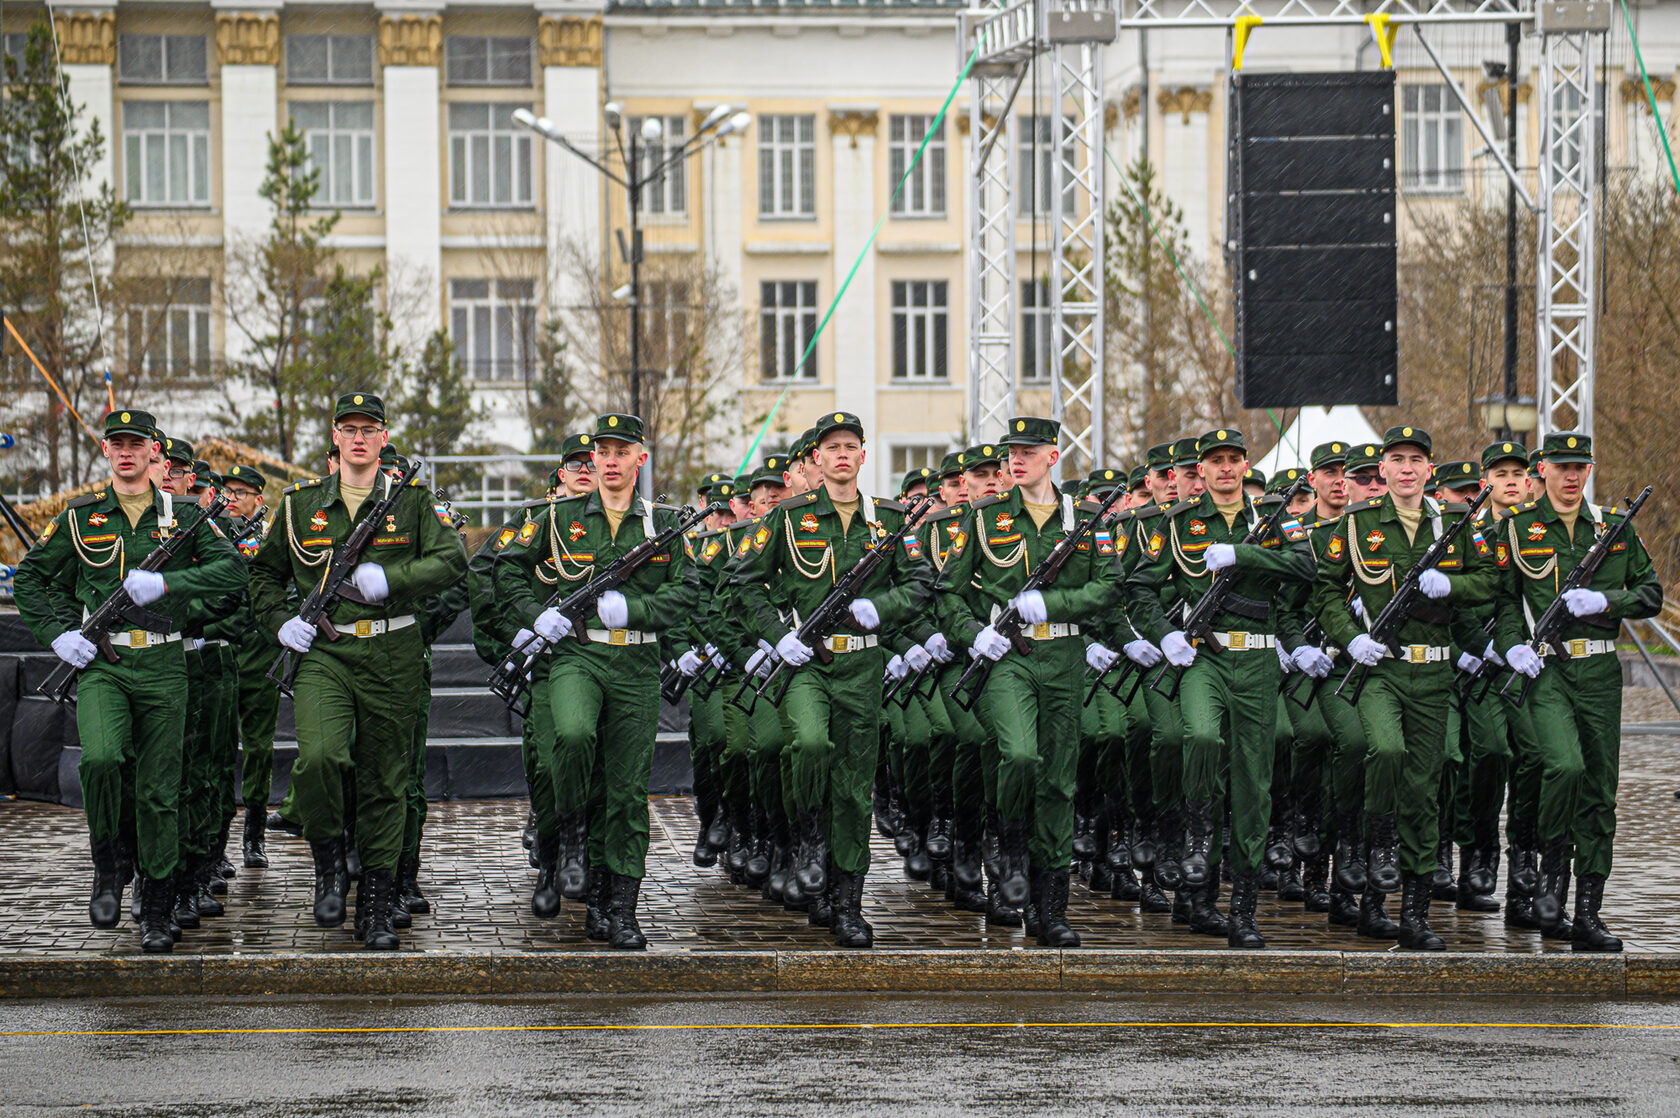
[1239, 641]
[840, 644]
[1041, 631]
[1417, 654]
[364, 628]
[618, 637]
[137, 638]
[1577, 647]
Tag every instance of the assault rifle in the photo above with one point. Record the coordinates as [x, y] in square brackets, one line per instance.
[120, 608]
[335, 585]
[1548, 630]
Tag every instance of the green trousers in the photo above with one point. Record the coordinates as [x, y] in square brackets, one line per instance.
[198, 768]
[1166, 745]
[1404, 710]
[1487, 769]
[1577, 709]
[227, 748]
[1348, 746]
[605, 705]
[968, 742]
[130, 717]
[535, 734]
[1032, 704]
[1310, 767]
[831, 719]
[259, 707]
[355, 706]
[1229, 704]
[414, 817]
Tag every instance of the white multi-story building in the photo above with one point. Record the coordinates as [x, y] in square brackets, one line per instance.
[408, 108]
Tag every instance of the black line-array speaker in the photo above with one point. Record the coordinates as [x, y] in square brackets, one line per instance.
[1311, 240]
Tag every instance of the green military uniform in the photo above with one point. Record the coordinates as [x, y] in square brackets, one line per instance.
[1228, 699]
[1031, 703]
[130, 715]
[831, 711]
[1404, 705]
[1576, 700]
[354, 697]
[254, 650]
[708, 551]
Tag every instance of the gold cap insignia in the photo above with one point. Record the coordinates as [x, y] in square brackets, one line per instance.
[124, 418]
[584, 439]
[838, 418]
[986, 450]
[1020, 425]
[1571, 442]
[1335, 448]
[355, 399]
[1507, 446]
[1405, 430]
[1221, 436]
[612, 421]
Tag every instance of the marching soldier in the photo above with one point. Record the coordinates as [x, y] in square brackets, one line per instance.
[354, 697]
[255, 650]
[222, 729]
[130, 714]
[1577, 692]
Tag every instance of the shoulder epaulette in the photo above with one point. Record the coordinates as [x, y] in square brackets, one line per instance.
[1609, 510]
[1183, 506]
[1455, 506]
[1361, 506]
[1088, 505]
[987, 502]
[809, 497]
[562, 498]
[85, 499]
[948, 513]
[888, 503]
[1525, 507]
[698, 536]
[1125, 515]
[302, 483]
[540, 502]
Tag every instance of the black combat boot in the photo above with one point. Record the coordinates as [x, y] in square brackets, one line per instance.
[105, 905]
[704, 855]
[819, 905]
[1169, 855]
[757, 867]
[1415, 933]
[331, 882]
[409, 896]
[1150, 897]
[1383, 869]
[545, 896]
[224, 870]
[1029, 911]
[740, 841]
[1474, 872]
[1442, 887]
[205, 877]
[1205, 917]
[938, 844]
[1589, 931]
[813, 854]
[1524, 872]
[1125, 887]
[185, 882]
[965, 865]
[1053, 928]
[775, 882]
[623, 932]
[1553, 893]
[528, 836]
[885, 825]
[1084, 827]
[1181, 905]
[156, 896]
[899, 819]
[278, 822]
[999, 912]
[352, 856]
[1289, 884]
[1562, 928]
[717, 832]
[1117, 842]
[1344, 909]
[1315, 882]
[917, 865]
[1350, 852]
[377, 891]
[1099, 878]
[793, 897]
[571, 873]
[1519, 909]
[850, 929]
[1373, 918]
[1243, 932]
[1280, 851]
[597, 904]
[252, 845]
[1198, 845]
[1305, 822]
[1013, 883]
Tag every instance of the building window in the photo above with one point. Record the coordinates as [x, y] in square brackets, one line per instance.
[1037, 328]
[166, 153]
[339, 135]
[493, 326]
[924, 194]
[163, 59]
[488, 60]
[787, 321]
[787, 166]
[173, 339]
[667, 194]
[329, 59]
[489, 157]
[1432, 139]
[907, 458]
[921, 327]
[1035, 166]
[665, 337]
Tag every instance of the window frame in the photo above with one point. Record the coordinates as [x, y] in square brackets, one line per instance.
[128, 41]
[784, 326]
[1038, 325]
[332, 43]
[1446, 176]
[133, 167]
[362, 161]
[925, 194]
[521, 151]
[487, 311]
[1035, 148]
[932, 320]
[197, 316]
[791, 165]
[454, 44]
[670, 189]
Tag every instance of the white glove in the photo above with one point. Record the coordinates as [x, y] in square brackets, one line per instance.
[370, 580]
[526, 641]
[865, 614]
[794, 650]
[1579, 603]
[1434, 584]
[1030, 605]
[197, 644]
[1142, 653]
[897, 668]
[74, 649]
[1312, 660]
[939, 648]
[758, 663]
[690, 663]
[1489, 653]
[719, 662]
[711, 650]
[1365, 649]
[918, 658]
[1284, 661]
[1469, 664]
[1523, 659]
[1218, 556]
[1180, 653]
[1099, 657]
[990, 643]
[613, 610]
[552, 625]
[297, 634]
[146, 587]
[1358, 607]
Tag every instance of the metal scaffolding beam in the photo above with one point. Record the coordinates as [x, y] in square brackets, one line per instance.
[1076, 257]
[991, 254]
[1320, 13]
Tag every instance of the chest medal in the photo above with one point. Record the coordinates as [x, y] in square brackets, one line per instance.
[1375, 539]
[318, 522]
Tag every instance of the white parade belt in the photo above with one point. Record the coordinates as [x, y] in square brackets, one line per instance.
[621, 636]
[1580, 648]
[1244, 642]
[1419, 653]
[377, 626]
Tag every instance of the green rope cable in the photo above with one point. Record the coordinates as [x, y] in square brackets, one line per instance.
[1645, 75]
[811, 346]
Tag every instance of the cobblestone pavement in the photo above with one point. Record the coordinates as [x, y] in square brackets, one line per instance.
[479, 884]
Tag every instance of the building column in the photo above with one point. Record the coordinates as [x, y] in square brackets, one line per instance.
[1185, 174]
[248, 49]
[87, 44]
[852, 330]
[410, 50]
[570, 48]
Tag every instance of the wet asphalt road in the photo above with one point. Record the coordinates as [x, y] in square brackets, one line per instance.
[1082, 1056]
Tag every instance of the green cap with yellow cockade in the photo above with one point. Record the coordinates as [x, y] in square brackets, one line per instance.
[777, 462]
[1185, 452]
[1510, 449]
[1031, 430]
[1283, 479]
[1158, 457]
[1137, 477]
[246, 475]
[951, 465]
[131, 422]
[1101, 481]
[360, 403]
[710, 482]
[986, 454]
[1458, 475]
[203, 476]
[618, 425]
[921, 475]
[742, 483]
[1566, 446]
[836, 421]
[766, 475]
[576, 444]
[179, 451]
[1407, 436]
[1221, 438]
[1328, 454]
[806, 443]
[1363, 456]
[1252, 476]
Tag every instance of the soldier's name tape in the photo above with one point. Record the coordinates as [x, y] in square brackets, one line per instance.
[377, 626]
